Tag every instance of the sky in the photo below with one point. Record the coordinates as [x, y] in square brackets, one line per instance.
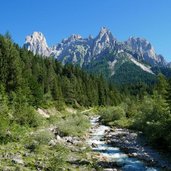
[58, 19]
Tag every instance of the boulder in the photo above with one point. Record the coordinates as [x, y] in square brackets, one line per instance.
[17, 159]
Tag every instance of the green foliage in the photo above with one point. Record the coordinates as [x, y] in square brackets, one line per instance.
[111, 114]
[152, 114]
[166, 71]
[136, 75]
[44, 80]
[162, 84]
[59, 158]
[4, 116]
[29, 81]
[23, 114]
[122, 69]
[10, 65]
[75, 124]
[43, 137]
[168, 94]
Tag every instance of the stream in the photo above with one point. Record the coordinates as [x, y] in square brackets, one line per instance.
[111, 154]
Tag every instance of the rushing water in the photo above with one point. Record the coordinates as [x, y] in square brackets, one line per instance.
[114, 154]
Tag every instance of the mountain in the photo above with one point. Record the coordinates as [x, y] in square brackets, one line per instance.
[103, 54]
[145, 51]
[37, 44]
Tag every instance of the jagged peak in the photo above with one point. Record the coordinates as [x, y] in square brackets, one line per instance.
[36, 42]
[36, 33]
[104, 30]
[138, 39]
[72, 38]
[92, 47]
[90, 37]
[105, 34]
[36, 37]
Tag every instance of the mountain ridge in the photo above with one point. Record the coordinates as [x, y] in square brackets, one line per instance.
[104, 49]
[101, 42]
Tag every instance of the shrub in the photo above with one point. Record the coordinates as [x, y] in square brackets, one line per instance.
[152, 118]
[4, 126]
[25, 115]
[43, 137]
[75, 124]
[111, 114]
[58, 160]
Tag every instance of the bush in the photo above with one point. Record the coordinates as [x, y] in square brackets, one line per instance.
[4, 126]
[111, 114]
[75, 124]
[4, 116]
[38, 140]
[43, 137]
[59, 159]
[26, 116]
[59, 105]
[152, 118]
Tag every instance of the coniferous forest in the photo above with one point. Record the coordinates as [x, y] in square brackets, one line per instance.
[29, 82]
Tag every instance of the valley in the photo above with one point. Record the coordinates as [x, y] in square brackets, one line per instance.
[85, 85]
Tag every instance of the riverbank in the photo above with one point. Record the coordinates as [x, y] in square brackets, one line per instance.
[122, 149]
[134, 145]
[57, 144]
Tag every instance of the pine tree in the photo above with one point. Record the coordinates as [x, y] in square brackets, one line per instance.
[10, 72]
[168, 94]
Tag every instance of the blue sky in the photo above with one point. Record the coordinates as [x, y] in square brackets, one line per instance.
[58, 19]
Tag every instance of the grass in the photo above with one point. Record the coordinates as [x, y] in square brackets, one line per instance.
[111, 114]
[32, 145]
[74, 125]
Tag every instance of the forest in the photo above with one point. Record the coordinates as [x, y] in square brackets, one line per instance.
[28, 82]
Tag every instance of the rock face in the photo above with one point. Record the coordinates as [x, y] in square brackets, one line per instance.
[37, 44]
[74, 50]
[78, 50]
[145, 51]
[104, 50]
[103, 41]
[169, 64]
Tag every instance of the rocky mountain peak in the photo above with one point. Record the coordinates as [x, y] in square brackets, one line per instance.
[104, 30]
[72, 38]
[38, 35]
[145, 50]
[82, 51]
[90, 37]
[103, 41]
[105, 34]
[139, 43]
[37, 44]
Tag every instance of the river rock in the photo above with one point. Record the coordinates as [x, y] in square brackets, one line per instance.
[134, 151]
[17, 159]
[94, 145]
[134, 144]
[53, 142]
